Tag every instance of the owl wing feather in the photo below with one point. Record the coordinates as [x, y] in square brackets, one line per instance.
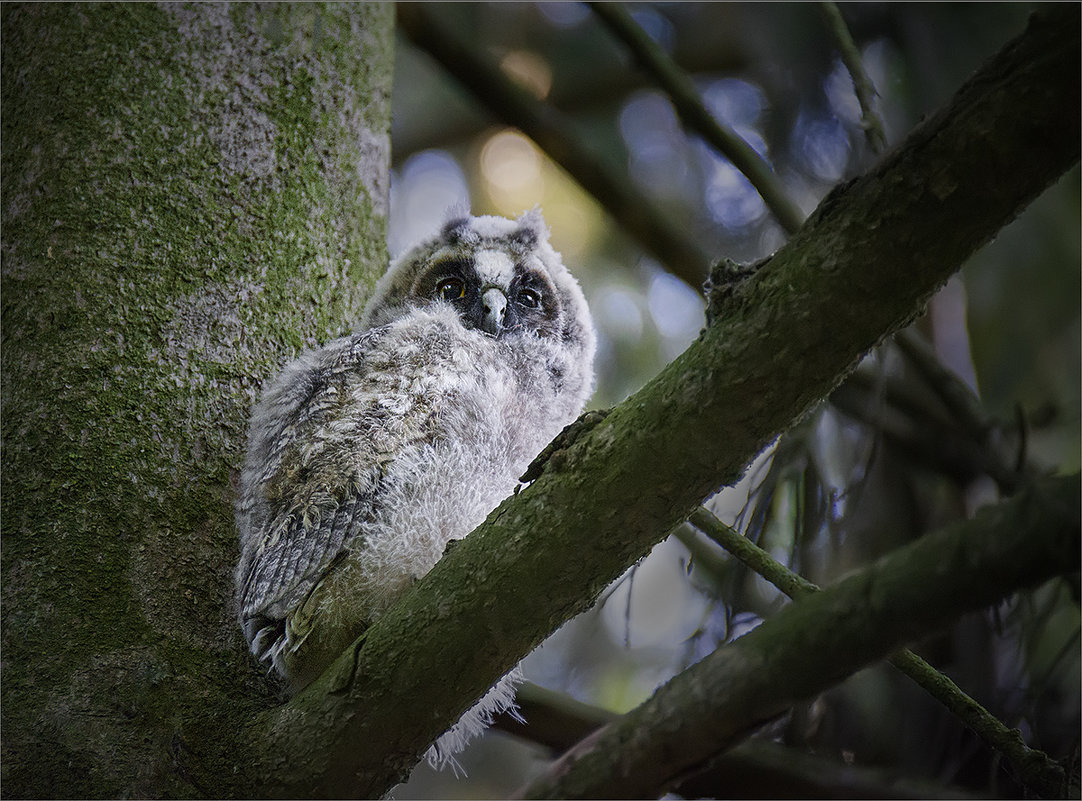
[317, 492]
[291, 568]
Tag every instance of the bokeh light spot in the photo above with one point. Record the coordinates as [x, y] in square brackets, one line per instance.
[428, 185]
[617, 310]
[529, 71]
[511, 168]
[677, 309]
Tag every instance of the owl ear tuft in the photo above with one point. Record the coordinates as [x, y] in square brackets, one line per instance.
[457, 230]
[531, 228]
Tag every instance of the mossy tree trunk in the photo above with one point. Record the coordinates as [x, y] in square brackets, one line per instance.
[190, 196]
[193, 194]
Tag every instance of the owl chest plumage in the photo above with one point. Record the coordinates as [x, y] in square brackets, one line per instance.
[466, 413]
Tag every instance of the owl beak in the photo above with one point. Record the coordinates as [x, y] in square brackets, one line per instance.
[493, 308]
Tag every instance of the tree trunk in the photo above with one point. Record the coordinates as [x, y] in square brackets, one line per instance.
[190, 196]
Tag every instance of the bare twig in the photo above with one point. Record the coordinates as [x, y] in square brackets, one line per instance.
[964, 405]
[862, 84]
[600, 90]
[918, 431]
[552, 719]
[689, 105]
[938, 420]
[1033, 767]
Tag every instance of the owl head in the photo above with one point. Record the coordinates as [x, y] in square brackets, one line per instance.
[501, 277]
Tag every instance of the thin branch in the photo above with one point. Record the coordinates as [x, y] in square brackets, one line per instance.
[704, 557]
[919, 436]
[816, 642]
[555, 134]
[689, 105]
[760, 768]
[757, 768]
[600, 90]
[1035, 769]
[946, 427]
[758, 560]
[552, 719]
[870, 120]
[955, 394]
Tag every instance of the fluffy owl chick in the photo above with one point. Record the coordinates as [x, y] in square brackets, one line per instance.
[367, 456]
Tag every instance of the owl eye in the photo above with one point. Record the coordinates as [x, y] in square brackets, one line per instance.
[450, 289]
[530, 298]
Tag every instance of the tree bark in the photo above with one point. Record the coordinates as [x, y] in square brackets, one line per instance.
[860, 269]
[756, 768]
[190, 195]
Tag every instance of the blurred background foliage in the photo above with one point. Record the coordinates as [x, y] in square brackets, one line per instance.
[902, 448]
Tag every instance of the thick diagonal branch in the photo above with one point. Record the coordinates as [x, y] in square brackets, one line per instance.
[756, 768]
[859, 269]
[1034, 767]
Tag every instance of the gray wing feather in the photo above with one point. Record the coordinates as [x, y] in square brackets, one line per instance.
[303, 503]
[288, 567]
